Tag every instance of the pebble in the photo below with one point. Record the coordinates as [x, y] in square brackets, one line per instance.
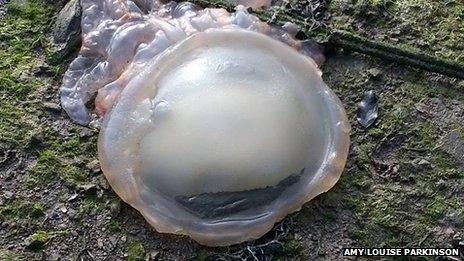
[453, 143]
[72, 213]
[113, 240]
[115, 208]
[67, 31]
[52, 106]
[37, 138]
[94, 167]
[458, 240]
[86, 133]
[63, 209]
[8, 194]
[374, 72]
[73, 197]
[424, 163]
[153, 255]
[449, 231]
[3, 8]
[368, 109]
[103, 183]
[89, 188]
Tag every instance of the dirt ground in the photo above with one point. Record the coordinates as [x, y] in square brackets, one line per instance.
[403, 185]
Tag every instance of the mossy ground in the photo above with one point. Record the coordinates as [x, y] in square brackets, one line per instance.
[431, 26]
[400, 186]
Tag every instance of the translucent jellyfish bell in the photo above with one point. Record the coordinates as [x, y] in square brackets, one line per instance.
[222, 135]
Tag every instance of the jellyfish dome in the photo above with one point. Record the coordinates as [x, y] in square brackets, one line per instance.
[216, 134]
[222, 136]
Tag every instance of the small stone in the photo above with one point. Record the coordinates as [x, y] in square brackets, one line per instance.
[42, 70]
[103, 183]
[7, 194]
[123, 239]
[115, 207]
[395, 32]
[441, 184]
[67, 30]
[95, 124]
[449, 231]
[100, 243]
[453, 143]
[112, 240]
[36, 138]
[63, 209]
[52, 106]
[3, 8]
[89, 189]
[290, 28]
[422, 43]
[424, 163]
[73, 197]
[368, 109]
[54, 215]
[55, 257]
[79, 160]
[153, 255]
[72, 213]
[374, 72]
[100, 193]
[94, 167]
[86, 132]
[458, 240]
[421, 163]
[421, 107]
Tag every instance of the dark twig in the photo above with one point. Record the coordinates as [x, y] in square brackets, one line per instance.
[394, 54]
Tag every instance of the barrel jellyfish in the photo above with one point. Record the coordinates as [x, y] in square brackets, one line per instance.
[215, 125]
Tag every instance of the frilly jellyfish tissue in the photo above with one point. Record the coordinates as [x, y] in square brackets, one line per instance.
[215, 125]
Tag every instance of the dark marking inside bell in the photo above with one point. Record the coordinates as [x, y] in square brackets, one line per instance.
[221, 204]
